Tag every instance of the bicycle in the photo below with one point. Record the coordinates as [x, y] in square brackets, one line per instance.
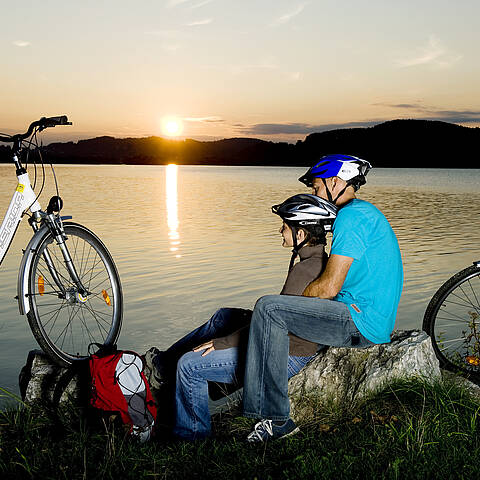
[452, 320]
[68, 285]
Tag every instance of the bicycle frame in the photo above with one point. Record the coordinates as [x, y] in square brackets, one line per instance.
[24, 198]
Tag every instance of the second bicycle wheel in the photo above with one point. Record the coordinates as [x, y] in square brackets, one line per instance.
[63, 320]
[452, 320]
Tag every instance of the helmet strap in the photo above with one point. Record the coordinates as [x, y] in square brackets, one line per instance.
[340, 194]
[296, 247]
[329, 194]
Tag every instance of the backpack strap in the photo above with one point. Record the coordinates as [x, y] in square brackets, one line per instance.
[102, 350]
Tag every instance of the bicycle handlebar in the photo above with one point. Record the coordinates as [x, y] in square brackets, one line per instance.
[44, 122]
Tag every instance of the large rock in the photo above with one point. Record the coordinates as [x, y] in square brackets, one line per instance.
[338, 374]
[347, 374]
[43, 382]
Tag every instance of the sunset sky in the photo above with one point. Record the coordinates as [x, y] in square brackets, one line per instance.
[271, 69]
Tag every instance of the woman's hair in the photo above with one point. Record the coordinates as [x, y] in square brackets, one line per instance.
[315, 234]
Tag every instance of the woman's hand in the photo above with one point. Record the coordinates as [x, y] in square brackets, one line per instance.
[207, 346]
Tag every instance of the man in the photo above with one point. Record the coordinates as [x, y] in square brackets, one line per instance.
[352, 304]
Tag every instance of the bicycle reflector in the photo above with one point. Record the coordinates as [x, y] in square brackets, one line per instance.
[473, 360]
[106, 298]
[41, 285]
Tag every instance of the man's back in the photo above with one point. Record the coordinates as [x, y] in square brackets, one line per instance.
[374, 281]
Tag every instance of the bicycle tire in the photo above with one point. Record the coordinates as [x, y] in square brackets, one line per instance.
[452, 319]
[66, 327]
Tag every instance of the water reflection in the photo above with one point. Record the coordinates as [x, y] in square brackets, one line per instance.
[171, 191]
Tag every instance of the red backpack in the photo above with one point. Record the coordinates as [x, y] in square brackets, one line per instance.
[118, 384]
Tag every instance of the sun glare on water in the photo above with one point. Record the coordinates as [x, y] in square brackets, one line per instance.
[172, 126]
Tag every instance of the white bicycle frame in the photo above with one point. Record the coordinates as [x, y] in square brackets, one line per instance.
[24, 198]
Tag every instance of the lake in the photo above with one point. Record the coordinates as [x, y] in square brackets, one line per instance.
[190, 239]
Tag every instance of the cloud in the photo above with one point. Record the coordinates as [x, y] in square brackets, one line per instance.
[285, 18]
[211, 119]
[433, 113]
[171, 40]
[433, 53]
[201, 4]
[299, 128]
[175, 3]
[194, 6]
[171, 47]
[21, 43]
[294, 76]
[196, 23]
[265, 64]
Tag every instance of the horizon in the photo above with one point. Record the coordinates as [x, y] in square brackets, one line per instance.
[47, 134]
[216, 69]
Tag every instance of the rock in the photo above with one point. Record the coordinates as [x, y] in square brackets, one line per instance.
[338, 374]
[347, 374]
[43, 382]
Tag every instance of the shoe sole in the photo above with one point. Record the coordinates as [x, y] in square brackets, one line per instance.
[293, 432]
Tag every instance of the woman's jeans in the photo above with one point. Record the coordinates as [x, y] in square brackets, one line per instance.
[225, 366]
[326, 322]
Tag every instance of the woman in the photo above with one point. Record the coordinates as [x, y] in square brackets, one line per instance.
[215, 351]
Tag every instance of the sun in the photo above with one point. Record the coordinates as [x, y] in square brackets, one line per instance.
[172, 126]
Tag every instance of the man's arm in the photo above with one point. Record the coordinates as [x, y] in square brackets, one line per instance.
[331, 280]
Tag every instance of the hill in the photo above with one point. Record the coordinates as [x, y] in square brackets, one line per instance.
[399, 143]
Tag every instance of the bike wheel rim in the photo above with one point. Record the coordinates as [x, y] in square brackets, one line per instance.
[69, 327]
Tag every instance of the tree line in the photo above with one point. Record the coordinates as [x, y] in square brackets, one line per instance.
[396, 143]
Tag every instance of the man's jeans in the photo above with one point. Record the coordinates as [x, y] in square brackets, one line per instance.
[326, 322]
[225, 366]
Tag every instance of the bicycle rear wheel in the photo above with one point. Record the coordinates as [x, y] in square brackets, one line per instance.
[66, 323]
[452, 320]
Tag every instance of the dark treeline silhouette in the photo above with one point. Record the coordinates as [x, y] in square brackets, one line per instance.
[397, 143]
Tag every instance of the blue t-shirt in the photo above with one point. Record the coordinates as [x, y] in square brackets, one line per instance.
[374, 281]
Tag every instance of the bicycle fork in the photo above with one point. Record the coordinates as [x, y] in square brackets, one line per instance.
[56, 228]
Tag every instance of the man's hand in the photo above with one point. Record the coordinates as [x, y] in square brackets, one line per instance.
[331, 280]
[207, 346]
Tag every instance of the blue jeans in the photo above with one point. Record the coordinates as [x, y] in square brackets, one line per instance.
[193, 374]
[223, 322]
[193, 371]
[326, 322]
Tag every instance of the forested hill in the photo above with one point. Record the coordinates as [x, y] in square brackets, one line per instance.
[397, 143]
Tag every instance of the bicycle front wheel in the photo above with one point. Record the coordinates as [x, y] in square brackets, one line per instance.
[64, 320]
[452, 320]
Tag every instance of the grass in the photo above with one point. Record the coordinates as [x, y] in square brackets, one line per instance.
[410, 429]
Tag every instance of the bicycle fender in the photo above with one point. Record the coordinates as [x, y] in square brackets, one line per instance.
[25, 264]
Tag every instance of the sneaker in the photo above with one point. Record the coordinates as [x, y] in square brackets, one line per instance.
[268, 430]
[154, 377]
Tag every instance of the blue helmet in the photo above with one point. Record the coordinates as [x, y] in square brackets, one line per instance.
[351, 169]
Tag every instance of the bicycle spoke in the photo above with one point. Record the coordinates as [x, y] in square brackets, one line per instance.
[463, 305]
[87, 330]
[452, 340]
[54, 318]
[64, 331]
[47, 276]
[467, 299]
[98, 312]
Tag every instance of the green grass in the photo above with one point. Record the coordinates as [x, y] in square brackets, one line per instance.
[410, 429]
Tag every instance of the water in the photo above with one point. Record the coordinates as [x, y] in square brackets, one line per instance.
[189, 239]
